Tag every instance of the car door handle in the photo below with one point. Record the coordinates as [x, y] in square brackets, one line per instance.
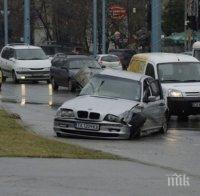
[162, 104]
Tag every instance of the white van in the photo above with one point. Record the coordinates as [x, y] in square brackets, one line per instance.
[179, 75]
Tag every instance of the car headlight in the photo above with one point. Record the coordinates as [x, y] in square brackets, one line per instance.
[65, 113]
[175, 93]
[112, 118]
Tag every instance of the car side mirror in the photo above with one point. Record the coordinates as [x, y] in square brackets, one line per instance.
[151, 99]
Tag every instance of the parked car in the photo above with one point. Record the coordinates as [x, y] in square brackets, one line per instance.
[124, 55]
[24, 62]
[72, 71]
[109, 61]
[114, 104]
[180, 78]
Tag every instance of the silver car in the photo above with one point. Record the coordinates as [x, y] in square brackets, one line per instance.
[114, 104]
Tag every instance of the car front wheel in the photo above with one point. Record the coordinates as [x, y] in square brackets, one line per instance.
[54, 84]
[14, 77]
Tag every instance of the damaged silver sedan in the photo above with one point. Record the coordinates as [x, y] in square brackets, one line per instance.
[116, 105]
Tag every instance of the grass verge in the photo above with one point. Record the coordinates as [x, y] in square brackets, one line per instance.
[16, 141]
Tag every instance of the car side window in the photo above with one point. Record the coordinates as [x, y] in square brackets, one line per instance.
[155, 90]
[5, 53]
[146, 91]
[10, 53]
[150, 70]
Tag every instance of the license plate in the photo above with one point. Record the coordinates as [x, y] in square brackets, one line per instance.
[196, 105]
[88, 126]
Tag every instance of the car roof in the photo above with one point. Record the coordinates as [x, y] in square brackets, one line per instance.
[165, 57]
[22, 46]
[123, 74]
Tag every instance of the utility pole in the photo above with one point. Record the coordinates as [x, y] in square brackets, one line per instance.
[104, 26]
[185, 26]
[5, 12]
[27, 21]
[156, 26]
[94, 27]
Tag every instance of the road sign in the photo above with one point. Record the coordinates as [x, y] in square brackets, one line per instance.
[117, 12]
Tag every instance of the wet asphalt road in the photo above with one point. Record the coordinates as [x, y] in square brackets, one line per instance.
[176, 152]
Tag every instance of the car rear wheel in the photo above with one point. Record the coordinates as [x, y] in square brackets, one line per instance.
[72, 86]
[14, 77]
[54, 84]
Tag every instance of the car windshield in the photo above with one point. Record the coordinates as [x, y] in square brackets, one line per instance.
[179, 72]
[110, 58]
[112, 87]
[80, 63]
[30, 54]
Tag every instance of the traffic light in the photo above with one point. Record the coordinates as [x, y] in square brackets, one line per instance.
[192, 23]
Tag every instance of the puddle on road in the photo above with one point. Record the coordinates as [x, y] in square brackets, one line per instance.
[34, 94]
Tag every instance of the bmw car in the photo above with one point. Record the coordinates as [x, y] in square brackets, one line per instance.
[114, 104]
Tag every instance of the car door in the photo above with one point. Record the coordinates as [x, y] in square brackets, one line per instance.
[152, 110]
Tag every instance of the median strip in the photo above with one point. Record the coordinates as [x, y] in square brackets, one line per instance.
[16, 141]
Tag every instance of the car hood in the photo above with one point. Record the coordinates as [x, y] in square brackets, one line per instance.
[100, 104]
[183, 87]
[34, 63]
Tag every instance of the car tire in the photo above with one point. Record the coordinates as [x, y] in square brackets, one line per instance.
[14, 77]
[72, 86]
[135, 134]
[3, 78]
[164, 128]
[54, 84]
[58, 134]
[183, 118]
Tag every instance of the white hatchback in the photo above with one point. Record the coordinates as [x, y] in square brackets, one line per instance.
[24, 62]
[109, 61]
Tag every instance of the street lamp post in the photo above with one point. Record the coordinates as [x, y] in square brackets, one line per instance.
[103, 26]
[27, 21]
[94, 27]
[5, 12]
[156, 26]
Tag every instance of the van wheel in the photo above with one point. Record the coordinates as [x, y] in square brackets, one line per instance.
[183, 118]
[54, 84]
[14, 77]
